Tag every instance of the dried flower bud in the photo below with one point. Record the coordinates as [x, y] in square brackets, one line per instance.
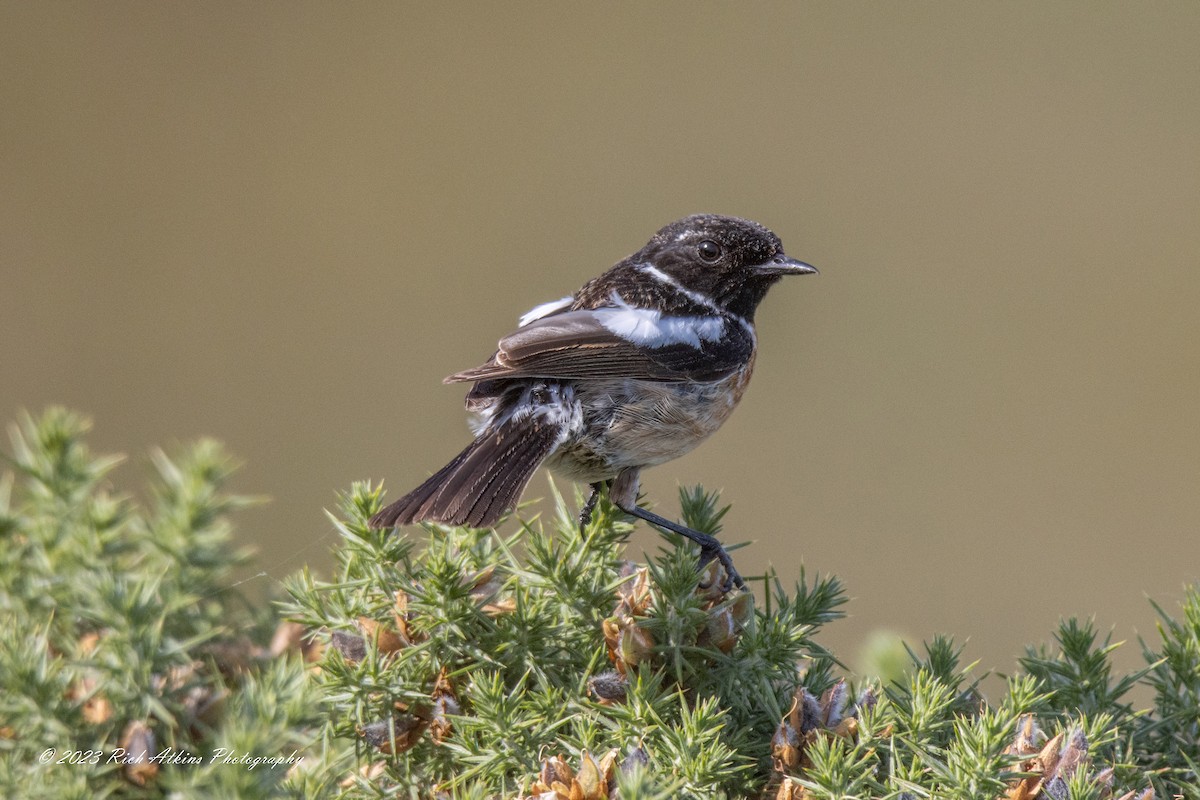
[634, 595]
[445, 705]
[396, 735]
[785, 744]
[866, 700]
[138, 742]
[627, 643]
[483, 585]
[204, 705]
[352, 646]
[386, 640]
[833, 704]
[608, 687]
[590, 780]
[810, 710]
[1029, 737]
[369, 772]
[712, 580]
[720, 630]
[403, 619]
[1073, 755]
[742, 607]
[288, 637]
[96, 708]
[637, 757]
[790, 790]
[636, 644]
[1145, 794]
[555, 775]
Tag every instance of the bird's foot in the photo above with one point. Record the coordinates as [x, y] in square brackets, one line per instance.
[715, 552]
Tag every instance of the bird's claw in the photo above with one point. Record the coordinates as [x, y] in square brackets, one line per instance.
[719, 554]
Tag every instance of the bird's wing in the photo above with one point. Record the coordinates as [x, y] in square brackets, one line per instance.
[620, 342]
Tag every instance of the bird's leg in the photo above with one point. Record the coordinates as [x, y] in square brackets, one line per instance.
[585, 513]
[623, 492]
[710, 546]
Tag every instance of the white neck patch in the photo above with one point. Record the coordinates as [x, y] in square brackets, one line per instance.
[695, 297]
[650, 328]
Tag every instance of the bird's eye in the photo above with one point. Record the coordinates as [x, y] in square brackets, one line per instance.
[709, 250]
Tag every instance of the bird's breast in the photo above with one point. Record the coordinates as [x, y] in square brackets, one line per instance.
[636, 423]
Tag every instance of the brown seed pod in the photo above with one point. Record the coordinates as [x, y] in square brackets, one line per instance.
[785, 744]
[288, 638]
[1145, 794]
[394, 736]
[445, 705]
[386, 640]
[609, 687]
[810, 718]
[592, 781]
[352, 646]
[95, 706]
[139, 743]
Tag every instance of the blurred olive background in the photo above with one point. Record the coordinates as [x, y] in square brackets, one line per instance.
[281, 224]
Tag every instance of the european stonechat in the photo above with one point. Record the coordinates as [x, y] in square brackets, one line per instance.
[636, 368]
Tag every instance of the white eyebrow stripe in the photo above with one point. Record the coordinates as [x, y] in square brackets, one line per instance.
[544, 310]
[650, 328]
[695, 297]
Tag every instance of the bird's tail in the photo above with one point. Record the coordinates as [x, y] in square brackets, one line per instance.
[483, 481]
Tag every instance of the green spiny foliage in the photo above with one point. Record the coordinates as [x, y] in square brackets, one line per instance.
[116, 631]
[1173, 732]
[498, 679]
[494, 665]
[511, 633]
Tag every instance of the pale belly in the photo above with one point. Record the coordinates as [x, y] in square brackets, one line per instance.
[630, 423]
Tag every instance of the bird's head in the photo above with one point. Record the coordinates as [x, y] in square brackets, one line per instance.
[730, 261]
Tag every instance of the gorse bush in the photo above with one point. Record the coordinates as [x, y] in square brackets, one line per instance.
[465, 660]
[533, 661]
[539, 664]
[118, 640]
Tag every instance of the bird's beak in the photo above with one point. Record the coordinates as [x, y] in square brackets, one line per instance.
[782, 265]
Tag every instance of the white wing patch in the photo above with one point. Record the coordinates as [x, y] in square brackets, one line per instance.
[650, 328]
[545, 309]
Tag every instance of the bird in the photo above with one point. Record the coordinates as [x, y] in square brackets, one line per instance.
[636, 368]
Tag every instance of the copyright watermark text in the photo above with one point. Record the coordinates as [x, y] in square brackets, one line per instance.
[168, 756]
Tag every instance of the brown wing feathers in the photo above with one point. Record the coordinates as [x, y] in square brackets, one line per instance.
[576, 345]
